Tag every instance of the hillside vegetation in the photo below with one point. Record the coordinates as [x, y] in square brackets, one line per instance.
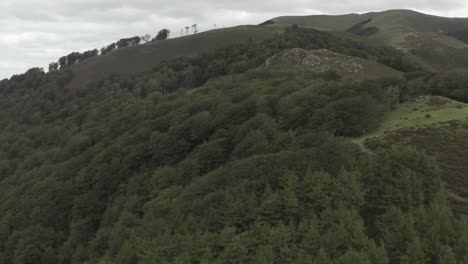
[447, 142]
[141, 58]
[220, 157]
[423, 111]
[438, 41]
[325, 61]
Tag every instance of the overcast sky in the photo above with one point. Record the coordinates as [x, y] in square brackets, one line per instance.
[36, 32]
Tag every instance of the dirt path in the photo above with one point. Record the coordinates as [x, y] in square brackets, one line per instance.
[457, 197]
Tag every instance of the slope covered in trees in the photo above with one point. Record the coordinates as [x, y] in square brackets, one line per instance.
[212, 159]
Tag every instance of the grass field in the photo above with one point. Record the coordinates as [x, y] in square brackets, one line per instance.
[390, 22]
[339, 22]
[144, 57]
[432, 110]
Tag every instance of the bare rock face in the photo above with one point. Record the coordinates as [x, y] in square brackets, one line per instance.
[321, 60]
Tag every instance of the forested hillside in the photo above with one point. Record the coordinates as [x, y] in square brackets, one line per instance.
[216, 158]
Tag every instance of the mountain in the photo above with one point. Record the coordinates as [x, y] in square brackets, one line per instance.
[438, 41]
[408, 20]
[141, 58]
[258, 144]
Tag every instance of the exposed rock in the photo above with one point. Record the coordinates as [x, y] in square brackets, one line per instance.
[321, 59]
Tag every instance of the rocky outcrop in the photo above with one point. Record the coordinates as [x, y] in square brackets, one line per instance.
[321, 59]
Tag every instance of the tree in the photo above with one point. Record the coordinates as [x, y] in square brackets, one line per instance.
[401, 177]
[314, 192]
[63, 62]
[397, 233]
[163, 34]
[135, 40]
[108, 48]
[377, 255]
[53, 66]
[288, 197]
[89, 54]
[415, 253]
[146, 38]
[446, 256]
[322, 257]
[128, 42]
[352, 257]
[73, 58]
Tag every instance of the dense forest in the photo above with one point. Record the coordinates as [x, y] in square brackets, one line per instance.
[216, 159]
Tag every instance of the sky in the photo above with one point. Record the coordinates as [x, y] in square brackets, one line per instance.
[34, 33]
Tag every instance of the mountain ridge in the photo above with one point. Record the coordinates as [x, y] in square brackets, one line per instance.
[431, 38]
[401, 29]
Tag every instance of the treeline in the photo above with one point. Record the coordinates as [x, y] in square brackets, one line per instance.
[361, 29]
[76, 57]
[72, 58]
[451, 84]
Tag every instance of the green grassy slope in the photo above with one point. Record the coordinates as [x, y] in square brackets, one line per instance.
[428, 37]
[438, 126]
[144, 57]
[392, 19]
[430, 111]
[339, 22]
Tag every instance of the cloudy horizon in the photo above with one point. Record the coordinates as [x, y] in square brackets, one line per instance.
[34, 33]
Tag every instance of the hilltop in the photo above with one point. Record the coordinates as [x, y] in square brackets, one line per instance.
[145, 57]
[438, 41]
[408, 19]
